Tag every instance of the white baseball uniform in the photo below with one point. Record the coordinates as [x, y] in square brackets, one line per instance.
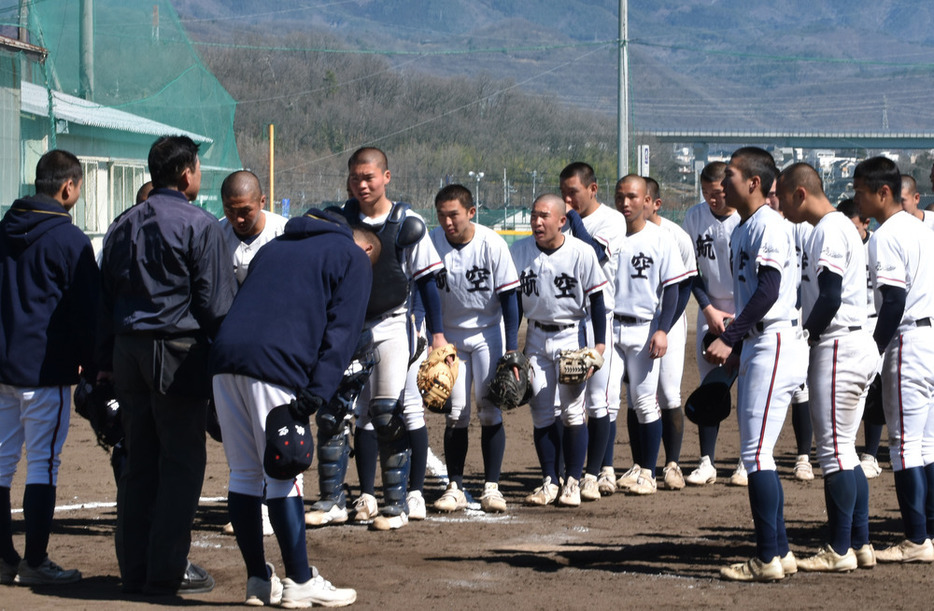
[801, 233]
[243, 251]
[900, 255]
[608, 227]
[711, 237]
[928, 219]
[555, 289]
[843, 361]
[474, 276]
[390, 335]
[773, 361]
[648, 262]
[671, 366]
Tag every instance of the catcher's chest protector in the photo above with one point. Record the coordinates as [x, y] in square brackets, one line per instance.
[390, 286]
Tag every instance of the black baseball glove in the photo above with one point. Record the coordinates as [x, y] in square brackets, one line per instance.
[511, 385]
[98, 404]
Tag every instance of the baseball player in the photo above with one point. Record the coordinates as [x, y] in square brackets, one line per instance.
[800, 408]
[841, 365]
[259, 363]
[911, 199]
[648, 272]
[671, 366]
[900, 253]
[246, 223]
[49, 290]
[408, 256]
[604, 228]
[872, 432]
[247, 227]
[710, 224]
[478, 299]
[773, 360]
[559, 276]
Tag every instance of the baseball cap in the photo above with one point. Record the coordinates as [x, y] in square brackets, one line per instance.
[289, 444]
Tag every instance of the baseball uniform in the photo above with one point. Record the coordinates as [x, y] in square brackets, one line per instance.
[555, 289]
[243, 250]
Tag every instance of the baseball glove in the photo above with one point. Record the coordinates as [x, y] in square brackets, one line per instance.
[511, 385]
[573, 365]
[710, 403]
[98, 404]
[436, 377]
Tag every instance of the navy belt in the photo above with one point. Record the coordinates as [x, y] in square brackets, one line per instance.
[923, 322]
[629, 320]
[551, 328]
[760, 326]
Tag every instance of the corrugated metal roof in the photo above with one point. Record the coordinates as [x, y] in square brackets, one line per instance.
[35, 100]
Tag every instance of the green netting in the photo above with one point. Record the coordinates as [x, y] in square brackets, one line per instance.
[141, 66]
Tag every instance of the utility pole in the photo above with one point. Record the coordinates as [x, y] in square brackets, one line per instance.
[622, 110]
[86, 61]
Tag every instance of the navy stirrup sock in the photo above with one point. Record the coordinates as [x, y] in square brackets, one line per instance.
[246, 517]
[598, 434]
[288, 520]
[493, 449]
[366, 455]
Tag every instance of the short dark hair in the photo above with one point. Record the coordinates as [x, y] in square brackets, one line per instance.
[754, 161]
[713, 172]
[849, 208]
[54, 169]
[801, 175]
[369, 154]
[583, 171]
[241, 182]
[877, 172]
[652, 188]
[169, 157]
[460, 193]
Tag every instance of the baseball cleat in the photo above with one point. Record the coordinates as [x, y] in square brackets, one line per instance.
[8, 572]
[865, 556]
[789, 564]
[870, 465]
[544, 494]
[803, 471]
[704, 474]
[590, 489]
[829, 561]
[629, 478]
[492, 500]
[646, 484]
[673, 478]
[334, 515]
[263, 592]
[906, 551]
[416, 503]
[46, 574]
[384, 523]
[739, 477]
[365, 508]
[453, 499]
[754, 570]
[606, 481]
[570, 494]
[316, 591]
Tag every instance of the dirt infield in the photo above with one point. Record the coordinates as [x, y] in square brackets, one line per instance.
[661, 551]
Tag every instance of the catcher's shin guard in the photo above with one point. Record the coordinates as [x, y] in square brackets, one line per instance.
[386, 416]
[395, 461]
[333, 456]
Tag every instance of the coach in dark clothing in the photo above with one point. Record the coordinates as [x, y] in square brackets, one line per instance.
[167, 284]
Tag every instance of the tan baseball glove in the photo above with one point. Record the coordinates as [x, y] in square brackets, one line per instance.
[573, 365]
[436, 377]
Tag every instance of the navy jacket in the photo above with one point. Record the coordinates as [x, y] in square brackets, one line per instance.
[166, 272]
[296, 319]
[49, 291]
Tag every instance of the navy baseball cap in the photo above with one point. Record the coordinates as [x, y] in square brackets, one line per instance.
[290, 447]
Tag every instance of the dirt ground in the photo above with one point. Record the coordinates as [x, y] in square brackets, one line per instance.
[657, 552]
